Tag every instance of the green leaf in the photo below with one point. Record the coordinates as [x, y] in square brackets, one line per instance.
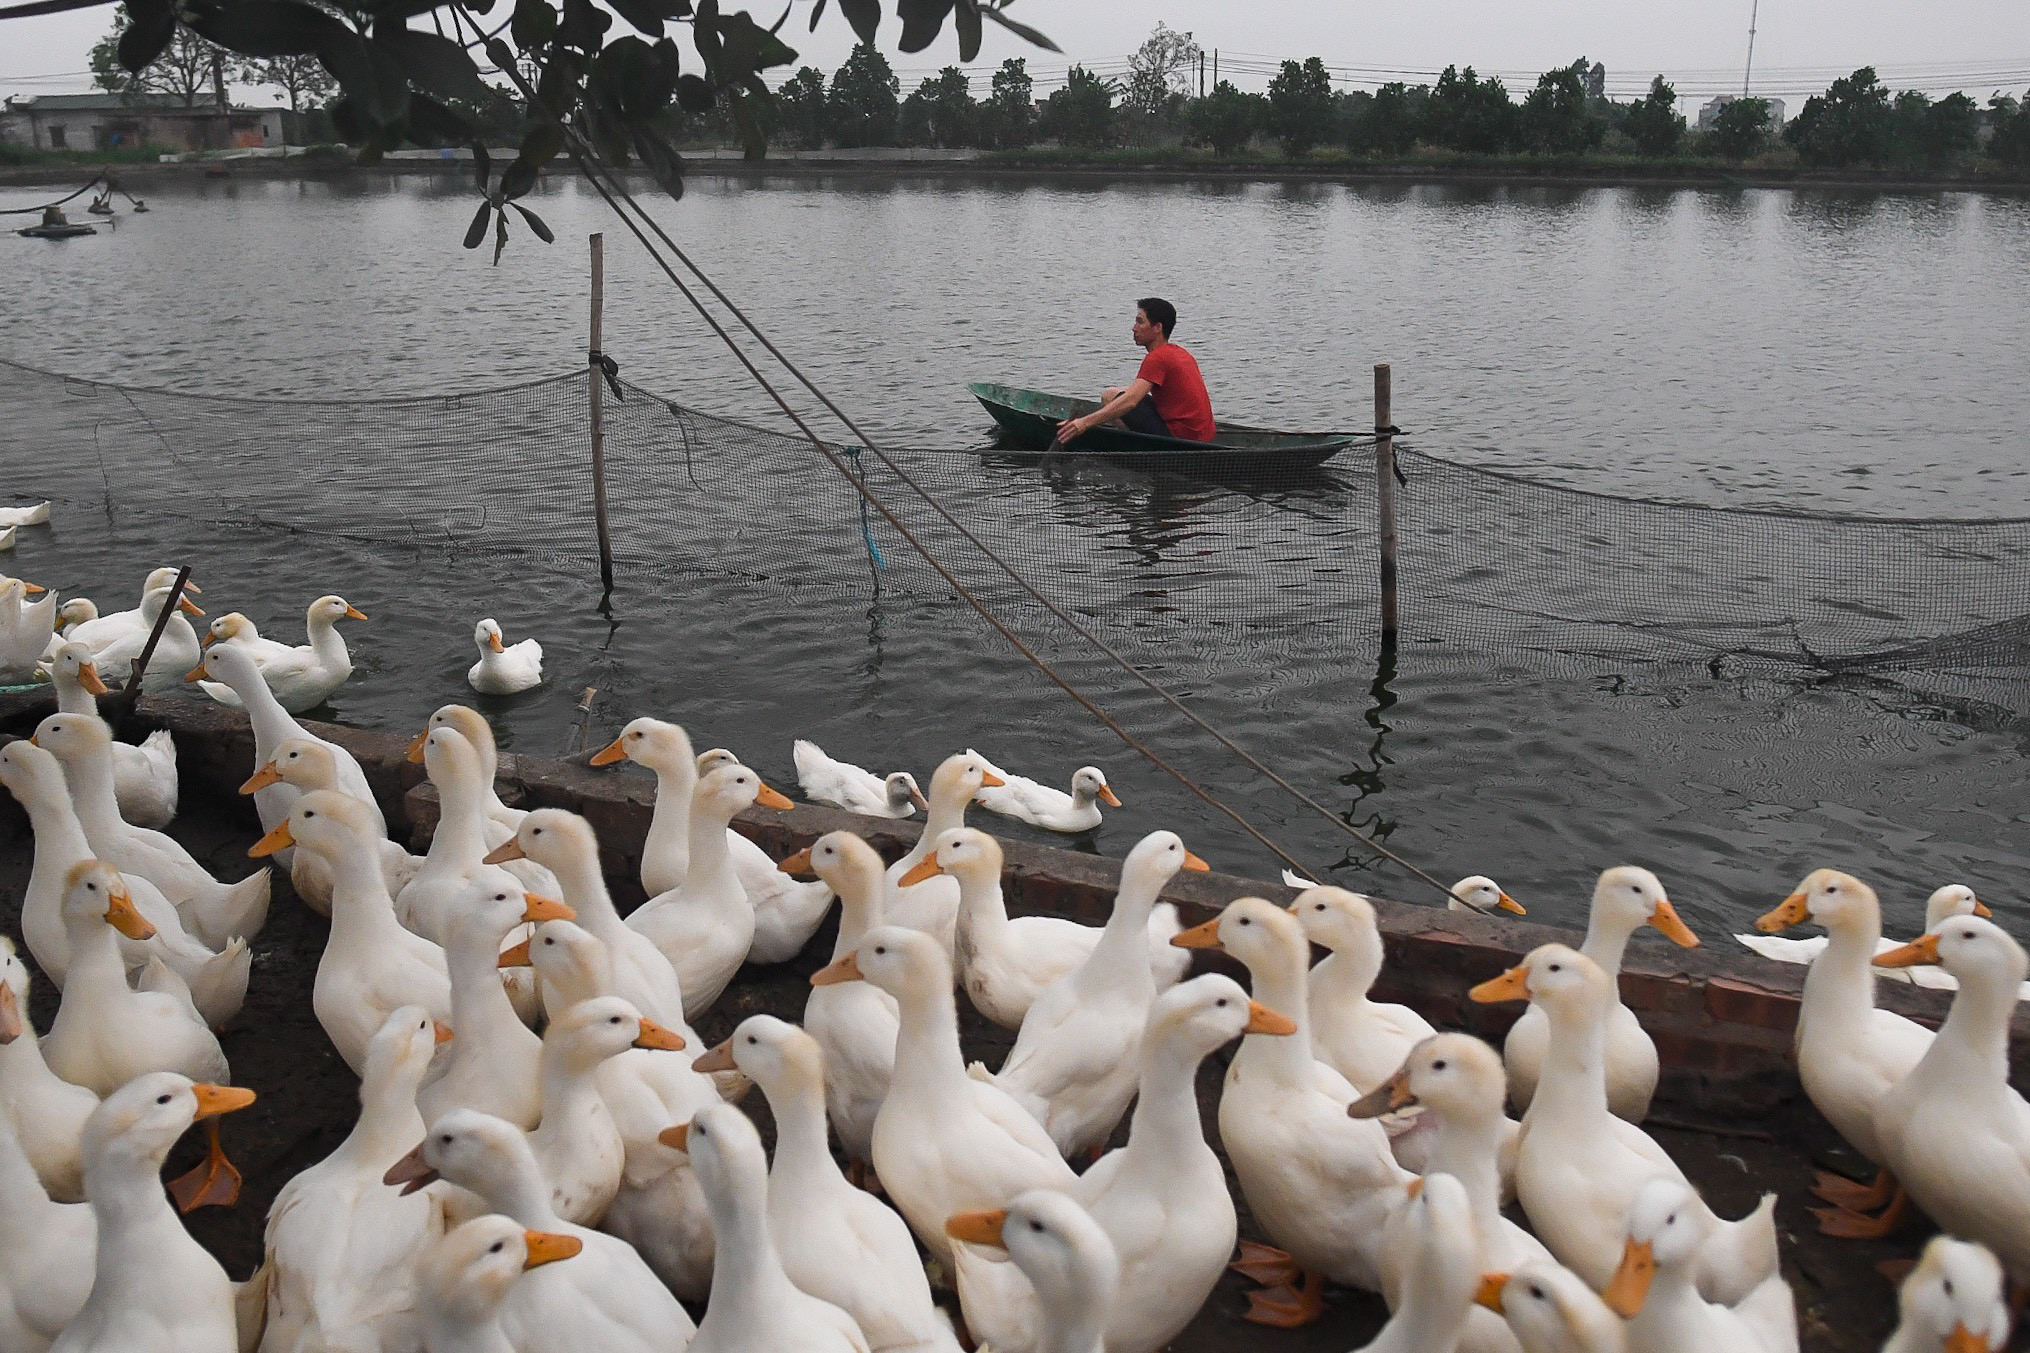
[584, 25]
[745, 47]
[263, 28]
[476, 232]
[431, 123]
[999, 14]
[633, 78]
[922, 21]
[536, 224]
[434, 64]
[482, 163]
[369, 75]
[864, 15]
[661, 160]
[694, 95]
[538, 148]
[817, 13]
[534, 23]
[643, 14]
[499, 237]
[153, 25]
[966, 23]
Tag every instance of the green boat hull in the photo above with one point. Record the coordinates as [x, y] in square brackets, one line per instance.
[1031, 419]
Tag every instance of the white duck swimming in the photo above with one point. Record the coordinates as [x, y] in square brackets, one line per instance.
[144, 777]
[841, 784]
[853, 1022]
[106, 1033]
[787, 912]
[48, 1113]
[459, 845]
[1005, 963]
[932, 906]
[153, 1286]
[50, 1248]
[1550, 1311]
[30, 514]
[217, 981]
[1954, 1131]
[1848, 1052]
[1039, 805]
[116, 640]
[1476, 893]
[69, 616]
[1655, 1288]
[495, 1062]
[1954, 899]
[1954, 1301]
[753, 1305]
[303, 676]
[578, 1146]
[304, 764]
[1457, 1081]
[502, 670]
[1578, 1165]
[943, 1142]
[1162, 1199]
[371, 966]
[1625, 899]
[1321, 1185]
[1065, 1256]
[466, 1275]
[1076, 1061]
[342, 1246]
[706, 924]
[838, 1243]
[215, 912]
[26, 629]
[605, 1298]
[235, 628]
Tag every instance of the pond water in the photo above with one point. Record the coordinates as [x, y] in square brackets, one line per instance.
[1836, 352]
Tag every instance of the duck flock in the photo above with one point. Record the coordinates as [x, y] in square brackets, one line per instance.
[546, 1156]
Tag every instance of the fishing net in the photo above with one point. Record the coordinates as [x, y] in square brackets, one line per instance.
[1160, 564]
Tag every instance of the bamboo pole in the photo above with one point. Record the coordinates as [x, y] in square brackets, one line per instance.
[139, 667]
[597, 385]
[1385, 495]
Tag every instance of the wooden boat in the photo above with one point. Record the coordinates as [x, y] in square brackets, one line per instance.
[55, 232]
[1031, 419]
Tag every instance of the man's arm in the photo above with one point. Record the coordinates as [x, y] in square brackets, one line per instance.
[1137, 390]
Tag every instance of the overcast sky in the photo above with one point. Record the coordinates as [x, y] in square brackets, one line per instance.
[1977, 45]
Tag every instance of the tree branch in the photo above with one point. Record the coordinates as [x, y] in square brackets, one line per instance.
[36, 7]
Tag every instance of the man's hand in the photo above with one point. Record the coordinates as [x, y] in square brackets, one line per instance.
[1071, 429]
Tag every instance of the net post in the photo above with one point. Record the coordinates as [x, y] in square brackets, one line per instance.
[595, 377]
[1385, 495]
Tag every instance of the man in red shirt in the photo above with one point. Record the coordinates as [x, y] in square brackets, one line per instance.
[1167, 398]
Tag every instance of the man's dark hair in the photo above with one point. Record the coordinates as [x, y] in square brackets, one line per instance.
[1159, 312]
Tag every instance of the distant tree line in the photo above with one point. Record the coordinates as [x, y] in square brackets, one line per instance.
[1856, 122]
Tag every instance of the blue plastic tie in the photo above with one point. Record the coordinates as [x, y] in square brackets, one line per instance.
[866, 527]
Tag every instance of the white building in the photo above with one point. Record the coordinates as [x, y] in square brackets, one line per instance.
[124, 121]
[1712, 109]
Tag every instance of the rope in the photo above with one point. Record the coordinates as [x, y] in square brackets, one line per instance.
[586, 160]
[34, 211]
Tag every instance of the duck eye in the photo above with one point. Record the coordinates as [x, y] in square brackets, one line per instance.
[1557, 967]
[614, 1020]
[1536, 1292]
[309, 813]
[164, 1099]
[1318, 906]
[1036, 1226]
[497, 1247]
[752, 1040]
[880, 948]
[1437, 1066]
[1221, 1002]
[1246, 921]
[1948, 1287]
[446, 1139]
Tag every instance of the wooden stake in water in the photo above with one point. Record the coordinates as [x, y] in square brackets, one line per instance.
[597, 378]
[1385, 495]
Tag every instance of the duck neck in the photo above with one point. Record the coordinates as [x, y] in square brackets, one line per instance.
[927, 1038]
[983, 911]
[520, 1192]
[748, 1281]
[569, 1087]
[801, 1146]
[1076, 1323]
[460, 840]
[71, 696]
[91, 786]
[480, 1008]
[97, 971]
[711, 865]
[1281, 986]
[947, 812]
[127, 1197]
[326, 643]
[1347, 974]
[362, 912]
[1468, 1147]
[25, 1208]
[584, 888]
[669, 825]
[1165, 1128]
[271, 723]
[1573, 1083]
[1839, 987]
[59, 835]
[1972, 1047]
[1120, 961]
[389, 1125]
[1434, 1308]
[1606, 942]
[859, 911]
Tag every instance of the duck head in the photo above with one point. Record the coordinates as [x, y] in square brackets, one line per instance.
[1089, 783]
[896, 959]
[653, 743]
[967, 854]
[1836, 901]
[1956, 1299]
[1478, 892]
[1456, 1076]
[299, 762]
[1208, 1012]
[1667, 1225]
[467, 1273]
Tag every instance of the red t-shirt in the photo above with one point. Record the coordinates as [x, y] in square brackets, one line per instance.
[1179, 392]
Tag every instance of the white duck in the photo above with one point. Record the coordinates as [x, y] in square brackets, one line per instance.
[838, 1243]
[1065, 1256]
[1005, 963]
[32, 514]
[1955, 1133]
[476, 730]
[47, 1112]
[144, 777]
[706, 925]
[1655, 1288]
[1476, 893]
[1578, 1165]
[1039, 805]
[217, 981]
[1550, 1311]
[213, 911]
[26, 629]
[235, 628]
[502, 670]
[304, 764]
[1440, 1275]
[371, 966]
[50, 1248]
[841, 784]
[105, 1033]
[341, 1245]
[753, 1305]
[1954, 899]
[1162, 1199]
[932, 906]
[273, 726]
[459, 846]
[1457, 1081]
[69, 616]
[466, 1275]
[1363, 1040]
[1320, 1184]
[1077, 1059]
[787, 912]
[495, 1062]
[853, 1022]
[1848, 1052]
[153, 1287]
[605, 1298]
[1625, 899]
[943, 1142]
[303, 676]
[577, 1144]
[1954, 1301]
[116, 640]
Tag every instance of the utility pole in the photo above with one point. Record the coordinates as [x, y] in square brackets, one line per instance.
[1754, 8]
